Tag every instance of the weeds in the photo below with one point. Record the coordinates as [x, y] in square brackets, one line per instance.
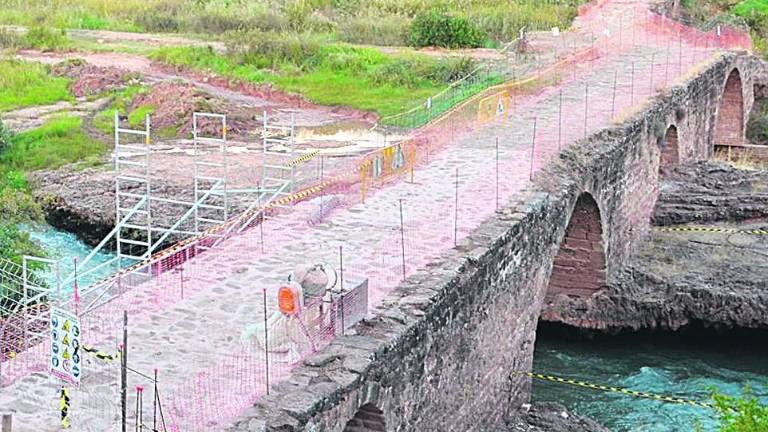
[27, 84]
[57, 142]
[331, 74]
[46, 39]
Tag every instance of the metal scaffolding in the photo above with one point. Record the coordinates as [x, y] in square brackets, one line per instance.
[279, 169]
[211, 194]
[133, 191]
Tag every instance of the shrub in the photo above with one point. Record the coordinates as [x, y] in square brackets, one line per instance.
[5, 136]
[389, 30]
[409, 71]
[46, 39]
[267, 49]
[10, 39]
[218, 22]
[740, 414]
[436, 28]
[15, 243]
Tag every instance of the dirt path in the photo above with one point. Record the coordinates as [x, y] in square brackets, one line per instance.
[257, 98]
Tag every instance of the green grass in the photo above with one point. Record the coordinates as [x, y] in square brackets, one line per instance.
[27, 84]
[137, 117]
[104, 120]
[57, 142]
[336, 74]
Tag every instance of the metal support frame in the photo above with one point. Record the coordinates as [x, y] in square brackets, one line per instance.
[211, 195]
[279, 170]
[133, 191]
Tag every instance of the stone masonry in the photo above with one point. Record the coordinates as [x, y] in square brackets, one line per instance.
[441, 352]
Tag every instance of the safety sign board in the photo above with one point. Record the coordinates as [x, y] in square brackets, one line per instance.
[66, 361]
[500, 107]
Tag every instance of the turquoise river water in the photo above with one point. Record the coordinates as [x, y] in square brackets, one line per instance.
[668, 365]
[63, 247]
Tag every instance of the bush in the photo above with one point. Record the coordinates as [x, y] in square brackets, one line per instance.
[46, 39]
[389, 30]
[740, 414]
[15, 243]
[5, 136]
[218, 22]
[10, 39]
[268, 49]
[436, 28]
[410, 71]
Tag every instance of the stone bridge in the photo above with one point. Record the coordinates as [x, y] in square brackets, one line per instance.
[443, 351]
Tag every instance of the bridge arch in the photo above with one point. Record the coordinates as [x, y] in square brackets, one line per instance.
[368, 418]
[579, 266]
[729, 126]
[670, 151]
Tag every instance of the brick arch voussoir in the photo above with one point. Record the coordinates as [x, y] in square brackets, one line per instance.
[729, 124]
[580, 264]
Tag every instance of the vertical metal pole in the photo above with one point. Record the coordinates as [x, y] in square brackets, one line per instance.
[181, 280]
[560, 122]
[533, 147]
[76, 288]
[141, 408]
[154, 403]
[680, 52]
[266, 338]
[621, 28]
[632, 86]
[456, 212]
[586, 107]
[613, 101]
[497, 173]
[341, 287]
[24, 294]
[136, 413]
[263, 217]
[402, 236]
[124, 373]
[666, 68]
[322, 190]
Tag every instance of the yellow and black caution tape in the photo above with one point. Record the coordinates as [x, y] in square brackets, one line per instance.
[64, 405]
[101, 355]
[715, 230]
[599, 387]
[302, 159]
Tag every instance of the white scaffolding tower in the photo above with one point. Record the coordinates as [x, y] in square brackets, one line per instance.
[211, 194]
[133, 193]
[279, 170]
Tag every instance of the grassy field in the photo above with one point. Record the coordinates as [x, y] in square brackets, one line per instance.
[26, 84]
[329, 74]
[379, 22]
